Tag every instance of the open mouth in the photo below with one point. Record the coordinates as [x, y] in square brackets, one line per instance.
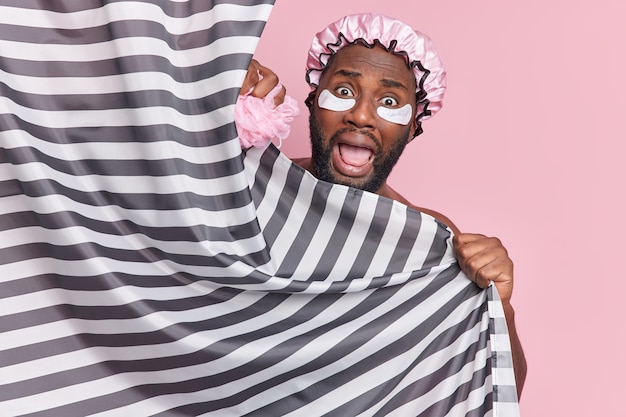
[351, 160]
[355, 155]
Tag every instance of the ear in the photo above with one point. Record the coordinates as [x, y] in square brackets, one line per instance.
[310, 99]
[415, 129]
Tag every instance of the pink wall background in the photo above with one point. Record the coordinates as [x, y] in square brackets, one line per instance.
[529, 147]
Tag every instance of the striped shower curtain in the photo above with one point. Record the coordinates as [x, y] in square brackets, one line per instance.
[149, 267]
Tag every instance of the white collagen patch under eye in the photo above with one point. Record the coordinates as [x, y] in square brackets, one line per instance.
[401, 116]
[329, 101]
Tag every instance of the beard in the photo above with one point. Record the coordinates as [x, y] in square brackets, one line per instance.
[321, 151]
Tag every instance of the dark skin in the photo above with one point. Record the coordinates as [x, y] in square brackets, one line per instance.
[375, 78]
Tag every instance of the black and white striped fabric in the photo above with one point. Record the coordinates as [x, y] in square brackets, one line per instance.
[149, 268]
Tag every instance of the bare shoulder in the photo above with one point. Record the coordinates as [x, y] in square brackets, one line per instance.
[389, 192]
[303, 163]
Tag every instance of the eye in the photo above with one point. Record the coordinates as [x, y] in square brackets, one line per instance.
[344, 92]
[389, 101]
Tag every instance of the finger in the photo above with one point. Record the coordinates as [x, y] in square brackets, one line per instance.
[280, 97]
[476, 244]
[500, 272]
[481, 274]
[268, 81]
[463, 238]
[497, 269]
[251, 78]
[477, 254]
[490, 265]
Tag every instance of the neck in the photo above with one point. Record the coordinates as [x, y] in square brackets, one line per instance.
[385, 190]
[306, 163]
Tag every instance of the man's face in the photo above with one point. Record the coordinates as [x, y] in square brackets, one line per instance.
[364, 118]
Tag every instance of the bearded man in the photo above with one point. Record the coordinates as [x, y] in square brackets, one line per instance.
[373, 81]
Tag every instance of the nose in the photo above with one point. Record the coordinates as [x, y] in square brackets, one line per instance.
[363, 114]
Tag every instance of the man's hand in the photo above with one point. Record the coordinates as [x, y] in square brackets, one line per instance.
[261, 80]
[485, 259]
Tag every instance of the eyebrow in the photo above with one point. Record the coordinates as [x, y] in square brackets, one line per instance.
[393, 83]
[348, 73]
[385, 81]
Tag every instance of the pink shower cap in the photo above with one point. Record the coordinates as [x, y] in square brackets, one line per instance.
[395, 36]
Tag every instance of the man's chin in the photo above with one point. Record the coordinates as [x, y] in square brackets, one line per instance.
[362, 183]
